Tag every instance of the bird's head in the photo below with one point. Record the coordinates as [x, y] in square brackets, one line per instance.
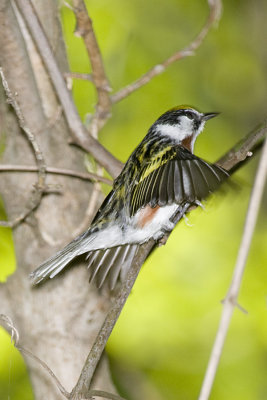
[182, 124]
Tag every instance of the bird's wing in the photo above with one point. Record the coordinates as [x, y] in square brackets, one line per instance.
[174, 175]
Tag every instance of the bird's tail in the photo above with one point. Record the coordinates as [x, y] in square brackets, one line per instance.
[57, 262]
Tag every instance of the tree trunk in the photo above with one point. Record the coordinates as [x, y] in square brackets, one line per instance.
[58, 320]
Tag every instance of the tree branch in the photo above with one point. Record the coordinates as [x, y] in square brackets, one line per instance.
[39, 188]
[244, 149]
[230, 301]
[78, 75]
[213, 17]
[78, 131]
[87, 176]
[85, 29]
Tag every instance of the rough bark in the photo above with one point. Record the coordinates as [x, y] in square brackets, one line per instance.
[50, 319]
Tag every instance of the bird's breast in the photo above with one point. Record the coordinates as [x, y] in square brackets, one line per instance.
[151, 222]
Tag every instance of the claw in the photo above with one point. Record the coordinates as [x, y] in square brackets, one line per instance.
[198, 203]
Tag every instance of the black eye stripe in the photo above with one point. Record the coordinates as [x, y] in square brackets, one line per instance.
[189, 114]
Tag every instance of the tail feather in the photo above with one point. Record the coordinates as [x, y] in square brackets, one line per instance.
[57, 262]
[107, 264]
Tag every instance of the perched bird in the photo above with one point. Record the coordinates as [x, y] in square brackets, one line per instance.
[161, 176]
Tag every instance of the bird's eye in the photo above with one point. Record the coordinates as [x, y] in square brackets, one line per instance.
[189, 115]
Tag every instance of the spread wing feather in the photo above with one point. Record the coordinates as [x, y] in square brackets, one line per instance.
[170, 185]
[178, 187]
[185, 178]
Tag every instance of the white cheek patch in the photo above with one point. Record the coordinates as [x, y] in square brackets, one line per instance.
[177, 132]
[181, 131]
[173, 131]
[186, 126]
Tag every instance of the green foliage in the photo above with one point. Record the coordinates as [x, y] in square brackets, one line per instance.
[161, 344]
[7, 259]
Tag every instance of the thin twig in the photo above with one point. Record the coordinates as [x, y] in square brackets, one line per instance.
[78, 75]
[213, 17]
[39, 187]
[46, 367]
[84, 29]
[78, 130]
[87, 176]
[8, 324]
[230, 301]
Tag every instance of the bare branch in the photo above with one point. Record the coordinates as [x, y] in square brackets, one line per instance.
[230, 301]
[79, 132]
[244, 149]
[78, 75]
[85, 29]
[87, 176]
[7, 323]
[213, 17]
[41, 167]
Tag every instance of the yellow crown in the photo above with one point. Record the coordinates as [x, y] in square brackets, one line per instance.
[182, 107]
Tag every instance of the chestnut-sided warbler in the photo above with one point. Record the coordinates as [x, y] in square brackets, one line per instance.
[161, 176]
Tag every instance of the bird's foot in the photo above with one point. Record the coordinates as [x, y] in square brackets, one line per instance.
[198, 203]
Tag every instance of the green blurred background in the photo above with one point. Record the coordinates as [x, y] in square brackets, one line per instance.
[161, 344]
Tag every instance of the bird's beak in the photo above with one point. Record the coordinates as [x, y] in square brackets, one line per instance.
[207, 116]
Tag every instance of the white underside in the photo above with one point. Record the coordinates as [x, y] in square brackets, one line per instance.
[114, 235]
